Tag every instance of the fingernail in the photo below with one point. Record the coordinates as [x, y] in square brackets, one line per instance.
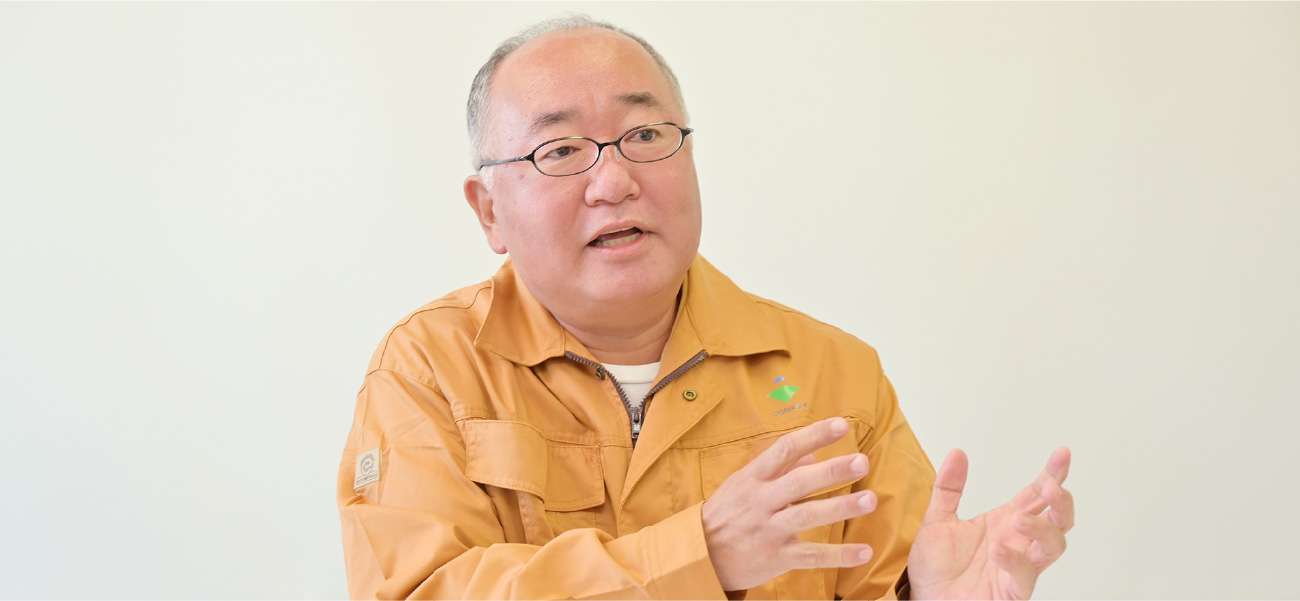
[867, 501]
[864, 554]
[839, 427]
[859, 464]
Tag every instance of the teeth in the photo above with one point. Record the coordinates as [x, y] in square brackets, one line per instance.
[616, 241]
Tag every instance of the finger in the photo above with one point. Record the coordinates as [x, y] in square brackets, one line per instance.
[948, 486]
[786, 452]
[812, 514]
[805, 460]
[1061, 501]
[1048, 540]
[1030, 500]
[1059, 464]
[1021, 574]
[801, 555]
[806, 480]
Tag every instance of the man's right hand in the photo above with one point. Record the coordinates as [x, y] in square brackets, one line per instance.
[751, 523]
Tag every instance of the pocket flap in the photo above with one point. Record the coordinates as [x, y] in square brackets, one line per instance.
[515, 455]
[719, 462]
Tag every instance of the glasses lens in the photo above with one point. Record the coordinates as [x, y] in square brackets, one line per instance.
[566, 157]
[651, 143]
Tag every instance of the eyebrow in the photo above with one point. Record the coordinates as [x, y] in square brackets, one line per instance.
[638, 99]
[546, 120]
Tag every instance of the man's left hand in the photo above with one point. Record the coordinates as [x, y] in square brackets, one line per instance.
[996, 555]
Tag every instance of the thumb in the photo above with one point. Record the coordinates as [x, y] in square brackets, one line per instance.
[948, 486]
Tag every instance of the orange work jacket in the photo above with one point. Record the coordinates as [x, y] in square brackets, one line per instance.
[491, 456]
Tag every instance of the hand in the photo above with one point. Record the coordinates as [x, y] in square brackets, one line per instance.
[751, 523]
[997, 555]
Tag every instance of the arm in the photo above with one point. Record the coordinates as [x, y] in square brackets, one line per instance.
[425, 530]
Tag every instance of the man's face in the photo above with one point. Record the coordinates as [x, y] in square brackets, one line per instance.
[598, 84]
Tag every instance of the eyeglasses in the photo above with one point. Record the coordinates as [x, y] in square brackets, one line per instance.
[573, 155]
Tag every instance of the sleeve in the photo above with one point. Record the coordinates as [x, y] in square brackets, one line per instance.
[425, 530]
[902, 477]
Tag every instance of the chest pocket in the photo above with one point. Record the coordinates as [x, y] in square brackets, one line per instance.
[718, 462]
[553, 486]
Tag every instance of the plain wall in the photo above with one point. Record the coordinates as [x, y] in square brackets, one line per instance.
[1060, 224]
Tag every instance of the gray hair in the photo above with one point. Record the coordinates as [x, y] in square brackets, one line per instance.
[476, 108]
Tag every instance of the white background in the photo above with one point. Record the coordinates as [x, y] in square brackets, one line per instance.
[1058, 223]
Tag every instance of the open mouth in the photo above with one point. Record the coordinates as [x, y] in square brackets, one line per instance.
[616, 237]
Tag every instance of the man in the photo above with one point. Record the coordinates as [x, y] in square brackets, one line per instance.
[610, 416]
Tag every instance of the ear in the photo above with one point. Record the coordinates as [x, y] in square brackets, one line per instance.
[480, 199]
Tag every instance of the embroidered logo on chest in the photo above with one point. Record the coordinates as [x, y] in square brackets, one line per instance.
[785, 394]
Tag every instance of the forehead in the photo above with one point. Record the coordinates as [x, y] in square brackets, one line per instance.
[580, 77]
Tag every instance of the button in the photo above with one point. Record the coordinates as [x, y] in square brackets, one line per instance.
[689, 394]
[600, 373]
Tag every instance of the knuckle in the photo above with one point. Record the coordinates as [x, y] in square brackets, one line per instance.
[783, 449]
[837, 468]
[790, 487]
[801, 556]
[811, 557]
[848, 505]
[796, 517]
[845, 471]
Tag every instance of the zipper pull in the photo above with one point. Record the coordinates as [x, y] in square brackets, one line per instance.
[637, 416]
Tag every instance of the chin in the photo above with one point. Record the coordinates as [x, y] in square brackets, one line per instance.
[632, 287]
[623, 293]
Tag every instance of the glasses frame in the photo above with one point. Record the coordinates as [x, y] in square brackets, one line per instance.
[600, 148]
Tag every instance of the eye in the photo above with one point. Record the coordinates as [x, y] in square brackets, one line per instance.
[643, 135]
[559, 152]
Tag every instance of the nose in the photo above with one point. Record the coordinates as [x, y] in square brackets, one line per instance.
[611, 179]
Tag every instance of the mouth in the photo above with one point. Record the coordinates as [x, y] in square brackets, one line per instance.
[616, 237]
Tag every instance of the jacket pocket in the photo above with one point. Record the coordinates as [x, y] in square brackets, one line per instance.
[718, 462]
[558, 486]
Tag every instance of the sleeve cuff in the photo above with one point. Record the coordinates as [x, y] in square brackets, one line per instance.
[903, 588]
[685, 570]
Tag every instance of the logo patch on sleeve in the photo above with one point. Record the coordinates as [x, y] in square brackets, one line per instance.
[367, 468]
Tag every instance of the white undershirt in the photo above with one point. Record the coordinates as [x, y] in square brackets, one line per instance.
[635, 380]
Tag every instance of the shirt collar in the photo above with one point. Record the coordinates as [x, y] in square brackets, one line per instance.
[713, 315]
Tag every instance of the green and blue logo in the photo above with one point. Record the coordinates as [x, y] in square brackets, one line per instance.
[784, 393]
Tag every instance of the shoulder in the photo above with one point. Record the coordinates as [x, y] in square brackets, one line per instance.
[447, 325]
[739, 322]
[809, 337]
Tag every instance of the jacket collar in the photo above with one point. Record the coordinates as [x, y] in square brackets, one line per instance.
[713, 315]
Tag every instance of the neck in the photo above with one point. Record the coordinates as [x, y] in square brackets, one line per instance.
[632, 336]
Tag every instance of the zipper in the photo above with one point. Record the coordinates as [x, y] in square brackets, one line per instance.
[636, 415]
[677, 373]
